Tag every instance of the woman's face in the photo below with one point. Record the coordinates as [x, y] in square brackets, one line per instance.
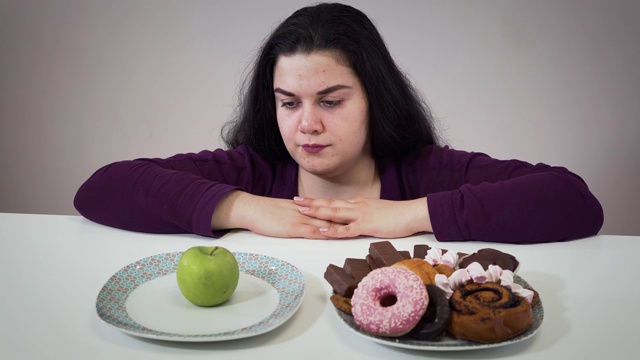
[322, 113]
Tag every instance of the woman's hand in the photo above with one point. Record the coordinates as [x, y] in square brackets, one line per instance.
[266, 216]
[371, 217]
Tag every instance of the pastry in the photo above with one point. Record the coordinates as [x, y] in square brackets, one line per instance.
[425, 271]
[488, 313]
[389, 302]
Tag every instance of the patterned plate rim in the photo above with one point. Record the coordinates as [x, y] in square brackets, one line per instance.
[447, 342]
[112, 298]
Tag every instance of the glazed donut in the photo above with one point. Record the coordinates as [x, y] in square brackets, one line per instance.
[435, 320]
[425, 271]
[389, 301]
[488, 313]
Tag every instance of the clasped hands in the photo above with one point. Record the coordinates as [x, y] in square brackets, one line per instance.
[369, 217]
[322, 218]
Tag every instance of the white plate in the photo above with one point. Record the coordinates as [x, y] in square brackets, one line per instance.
[446, 342]
[143, 299]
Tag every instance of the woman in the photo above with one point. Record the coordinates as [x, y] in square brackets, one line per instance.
[331, 141]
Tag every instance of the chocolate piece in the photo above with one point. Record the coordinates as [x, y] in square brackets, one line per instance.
[371, 262]
[490, 256]
[357, 268]
[420, 251]
[341, 282]
[435, 320]
[405, 254]
[384, 253]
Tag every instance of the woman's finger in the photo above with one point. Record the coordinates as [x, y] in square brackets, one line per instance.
[334, 214]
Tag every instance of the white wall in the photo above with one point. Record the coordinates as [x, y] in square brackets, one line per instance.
[84, 83]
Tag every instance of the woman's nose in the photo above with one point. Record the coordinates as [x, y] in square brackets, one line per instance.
[311, 123]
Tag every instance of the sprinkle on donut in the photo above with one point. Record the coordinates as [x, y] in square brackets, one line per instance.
[389, 301]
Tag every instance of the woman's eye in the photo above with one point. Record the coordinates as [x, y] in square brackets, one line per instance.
[289, 104]
[331, 103]
[328, 104]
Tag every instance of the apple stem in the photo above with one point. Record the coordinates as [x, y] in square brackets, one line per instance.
[214, 250]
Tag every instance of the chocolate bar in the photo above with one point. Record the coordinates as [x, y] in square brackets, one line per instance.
[384, 253]
[357, 268]
[341, 282]
[420, 250]
[371, 262]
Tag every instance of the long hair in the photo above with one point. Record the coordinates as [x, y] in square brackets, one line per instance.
[399, 120]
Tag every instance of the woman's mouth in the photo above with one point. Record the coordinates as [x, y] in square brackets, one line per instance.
[313, 148]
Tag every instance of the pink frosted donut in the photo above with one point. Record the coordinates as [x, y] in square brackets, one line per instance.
[389, 301]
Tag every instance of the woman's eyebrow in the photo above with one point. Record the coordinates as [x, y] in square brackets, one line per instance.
[326, 91]
[283, 92]
[333, 88]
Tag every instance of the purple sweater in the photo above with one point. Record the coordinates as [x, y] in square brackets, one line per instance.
[470, 195]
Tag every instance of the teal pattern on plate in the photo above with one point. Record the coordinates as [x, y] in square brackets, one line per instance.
[284, 277]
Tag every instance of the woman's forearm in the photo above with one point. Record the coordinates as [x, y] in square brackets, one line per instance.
[139, 195]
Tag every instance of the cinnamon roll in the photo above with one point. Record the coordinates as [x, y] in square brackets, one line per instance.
[488, 313]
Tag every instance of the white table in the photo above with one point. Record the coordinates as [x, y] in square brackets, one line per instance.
[54, 266]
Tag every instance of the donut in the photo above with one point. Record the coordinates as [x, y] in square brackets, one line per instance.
[435, 320]
[488, 313]
[389, 301]
[425, 271]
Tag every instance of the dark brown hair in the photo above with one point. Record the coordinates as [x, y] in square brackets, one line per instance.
[400, 121]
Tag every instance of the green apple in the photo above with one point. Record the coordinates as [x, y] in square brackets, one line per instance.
[207, 276]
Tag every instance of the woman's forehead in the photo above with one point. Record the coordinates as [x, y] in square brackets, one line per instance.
[312, 69]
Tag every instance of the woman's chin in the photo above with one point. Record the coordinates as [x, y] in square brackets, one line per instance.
[318, 168]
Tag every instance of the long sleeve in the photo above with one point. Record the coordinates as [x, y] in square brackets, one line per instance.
[472, 196]
[174, 195]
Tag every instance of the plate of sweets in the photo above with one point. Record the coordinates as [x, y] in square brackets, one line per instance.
[434, 299]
